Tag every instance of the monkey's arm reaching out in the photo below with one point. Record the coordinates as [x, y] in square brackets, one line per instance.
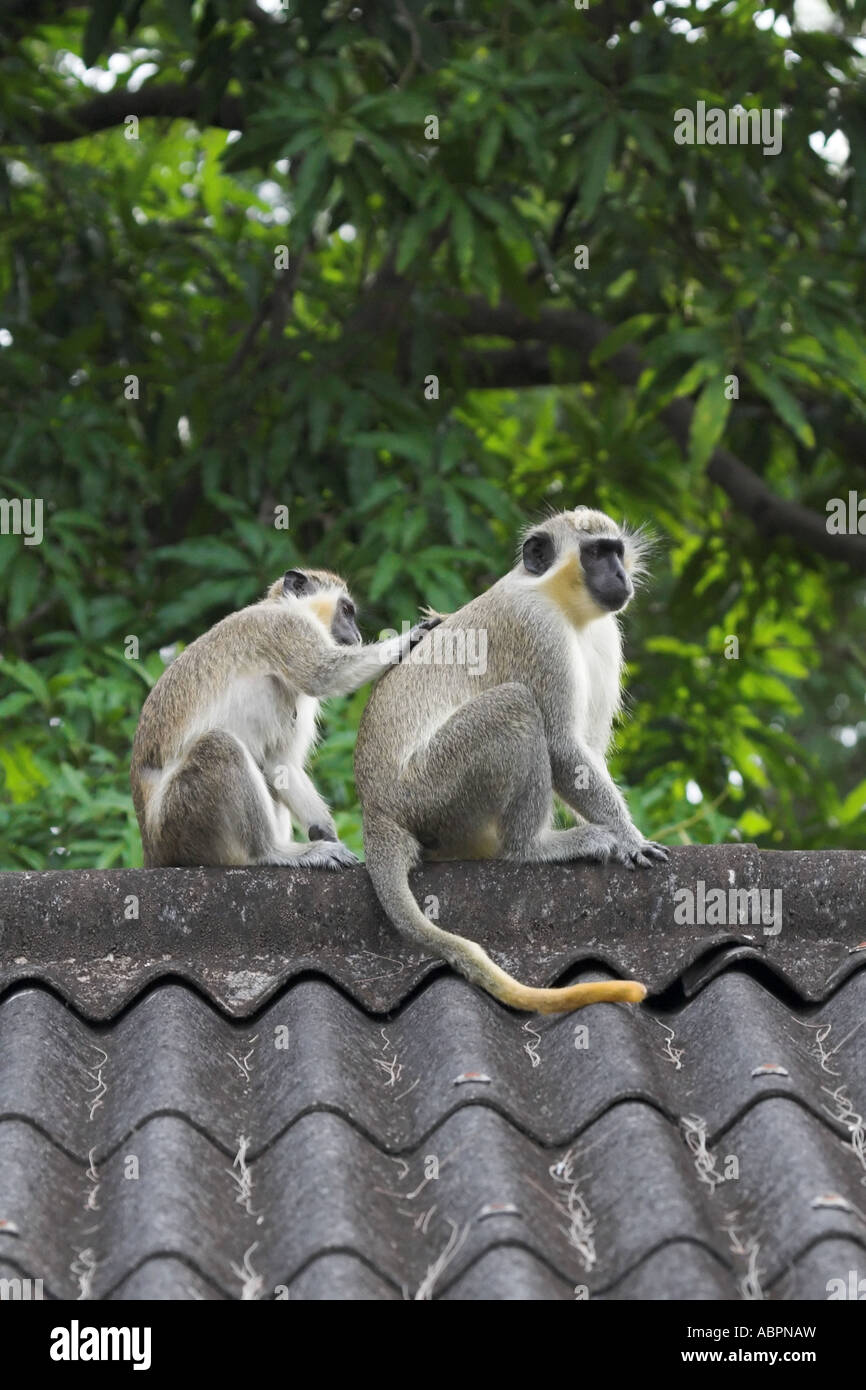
[322, 669]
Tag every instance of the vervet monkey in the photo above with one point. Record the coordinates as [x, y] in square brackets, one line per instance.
[219, 753]
[456, 763]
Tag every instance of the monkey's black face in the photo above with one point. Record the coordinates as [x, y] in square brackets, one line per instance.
[606, 580]
[344, 626]
[603, 574]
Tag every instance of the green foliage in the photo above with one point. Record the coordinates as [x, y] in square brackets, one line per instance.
[171, 384]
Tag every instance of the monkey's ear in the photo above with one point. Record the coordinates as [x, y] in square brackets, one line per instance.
[294, 582]
[538, 552]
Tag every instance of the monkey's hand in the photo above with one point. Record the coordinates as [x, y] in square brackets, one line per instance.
[327, 854]
[630, 848]
[420, 630]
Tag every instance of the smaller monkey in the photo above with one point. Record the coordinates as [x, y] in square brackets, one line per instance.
[218, 761]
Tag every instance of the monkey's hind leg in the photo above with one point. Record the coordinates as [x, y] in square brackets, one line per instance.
[486, 778]
[215, 808]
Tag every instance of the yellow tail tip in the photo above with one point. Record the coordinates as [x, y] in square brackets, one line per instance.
[636, 992]
[564, 1001]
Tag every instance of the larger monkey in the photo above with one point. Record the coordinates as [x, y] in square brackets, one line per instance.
[218, 759]
[455, 765]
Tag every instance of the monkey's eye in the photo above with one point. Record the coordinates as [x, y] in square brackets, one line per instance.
[607, 545]
[347, 608]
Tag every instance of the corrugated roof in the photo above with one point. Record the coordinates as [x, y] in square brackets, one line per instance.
[255, 1090]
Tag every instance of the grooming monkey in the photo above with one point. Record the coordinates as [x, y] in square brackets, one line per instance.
[455, 765]
[218, 758]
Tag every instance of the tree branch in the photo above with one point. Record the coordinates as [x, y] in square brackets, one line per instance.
[582, 333]
[751, 495]
[503, 369]
[110, 109]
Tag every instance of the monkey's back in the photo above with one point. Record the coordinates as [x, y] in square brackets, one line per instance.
[254, 640]
[466, 654]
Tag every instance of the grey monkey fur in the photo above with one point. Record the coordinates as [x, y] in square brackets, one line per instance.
[218, 762]
[452, 763]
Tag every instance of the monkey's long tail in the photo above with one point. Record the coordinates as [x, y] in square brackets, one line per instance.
[391, 852]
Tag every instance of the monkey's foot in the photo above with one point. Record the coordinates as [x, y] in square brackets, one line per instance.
[635, 852]
[327, 854]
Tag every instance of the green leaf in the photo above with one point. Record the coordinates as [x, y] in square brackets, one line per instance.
[180, 14]
[599, 153]
[312, 180]
[389, 566]
[697, 373]
[488, 146]
[708, 422]
[491, 497]
[205, 552]
[325, 84]
[683, 342]
[649, 144]
[341, 143]
[758, 685]
[415, 233]
[458, 517]
[784, 404]
[499, 212]
[186, 614]
[787, 660]
[15, 703]
[854, 805]
[624, 333]
[380, 492]
[29, 677]
[99, 25]
[403, 445]
[23, 775]
[24, 580]
[319, 416]
[463, 232]
[752, 823]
